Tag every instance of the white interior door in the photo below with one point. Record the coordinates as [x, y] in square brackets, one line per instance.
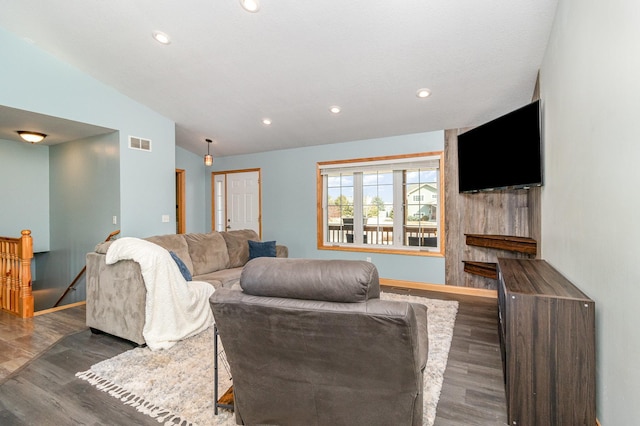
[243, 201]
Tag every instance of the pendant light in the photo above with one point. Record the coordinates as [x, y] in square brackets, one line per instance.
[208, 159]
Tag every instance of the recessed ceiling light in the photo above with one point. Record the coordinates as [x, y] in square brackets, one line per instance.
[161, 37]
[335, 109]
[423, 93]
[250, 5]
[266, 121]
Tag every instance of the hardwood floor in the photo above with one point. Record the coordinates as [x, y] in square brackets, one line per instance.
[473, 388]
[23, 339]
[45, 391]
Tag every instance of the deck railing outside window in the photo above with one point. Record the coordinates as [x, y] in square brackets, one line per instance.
[415, 234]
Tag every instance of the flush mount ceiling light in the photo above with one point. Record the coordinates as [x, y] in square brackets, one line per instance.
[208, 159]
[266, 121]
[33, 137]
[250, 5]
[161, 37]
[334, 109]
[423, 93]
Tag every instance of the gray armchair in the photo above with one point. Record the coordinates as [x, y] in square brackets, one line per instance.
[310, 342]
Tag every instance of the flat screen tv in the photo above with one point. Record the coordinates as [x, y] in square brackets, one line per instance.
[504, 153]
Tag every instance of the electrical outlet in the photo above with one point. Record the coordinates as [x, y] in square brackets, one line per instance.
[368, 259]
[115, 220]
[165, 218]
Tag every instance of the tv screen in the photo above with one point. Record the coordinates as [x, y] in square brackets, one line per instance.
[504, 153]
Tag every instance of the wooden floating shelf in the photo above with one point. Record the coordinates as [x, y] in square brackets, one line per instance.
[503, 242]
[485, 269]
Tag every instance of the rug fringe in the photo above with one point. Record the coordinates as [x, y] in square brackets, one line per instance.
[161, 414]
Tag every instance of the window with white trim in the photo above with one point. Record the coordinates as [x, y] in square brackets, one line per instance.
[381, 204]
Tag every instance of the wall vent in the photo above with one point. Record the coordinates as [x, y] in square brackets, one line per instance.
[139, 143]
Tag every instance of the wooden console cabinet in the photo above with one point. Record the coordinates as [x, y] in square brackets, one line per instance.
[547, 337]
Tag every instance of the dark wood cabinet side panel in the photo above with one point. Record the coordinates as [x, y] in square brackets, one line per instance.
[532, 370]
[576, 348]
[545, 364]
[520, 359]
[549, 346]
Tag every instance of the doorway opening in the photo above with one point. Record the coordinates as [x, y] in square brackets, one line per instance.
[181, 222]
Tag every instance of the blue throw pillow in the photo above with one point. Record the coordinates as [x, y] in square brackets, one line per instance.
[183, 268]
[262, 249]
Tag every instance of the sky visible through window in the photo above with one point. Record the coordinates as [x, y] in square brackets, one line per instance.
[378, 184]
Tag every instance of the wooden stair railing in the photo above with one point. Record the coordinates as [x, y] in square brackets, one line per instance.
[16, 295]
[82, 271]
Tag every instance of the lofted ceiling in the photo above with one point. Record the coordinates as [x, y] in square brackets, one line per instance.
[227, 69]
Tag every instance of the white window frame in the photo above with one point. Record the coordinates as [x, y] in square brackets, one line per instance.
[398, 164]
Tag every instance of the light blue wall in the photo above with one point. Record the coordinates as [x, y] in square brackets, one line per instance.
[35, 81]
[24, 171]
[590, 228]
[196, 173]
[289, 199]
[147, 182]
[85, 195]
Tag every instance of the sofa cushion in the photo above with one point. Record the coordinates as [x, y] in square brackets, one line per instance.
[282, 251]
[208, 252]
[311, 279]
[226, 277]
[237, 245]
[183, 268]
[262, 249]
[175, 243]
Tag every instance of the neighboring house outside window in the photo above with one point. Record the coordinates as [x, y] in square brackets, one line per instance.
[384, 204]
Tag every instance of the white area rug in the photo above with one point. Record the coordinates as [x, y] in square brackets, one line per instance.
[177, 383]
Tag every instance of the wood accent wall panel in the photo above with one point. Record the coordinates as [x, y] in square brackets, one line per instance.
[498, 212]
[535, 216]
[535, 194]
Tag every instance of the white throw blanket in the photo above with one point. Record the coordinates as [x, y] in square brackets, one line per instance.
[175, 309]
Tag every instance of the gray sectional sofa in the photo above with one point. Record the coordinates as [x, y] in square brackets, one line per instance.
[116, 293]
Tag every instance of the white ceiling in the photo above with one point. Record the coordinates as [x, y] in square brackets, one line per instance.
[226, 69]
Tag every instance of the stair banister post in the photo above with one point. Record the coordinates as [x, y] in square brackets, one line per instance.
[25, 254]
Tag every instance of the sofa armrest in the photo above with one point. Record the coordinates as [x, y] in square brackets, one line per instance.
[282, 251]
[116, 297]
[423, 333]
